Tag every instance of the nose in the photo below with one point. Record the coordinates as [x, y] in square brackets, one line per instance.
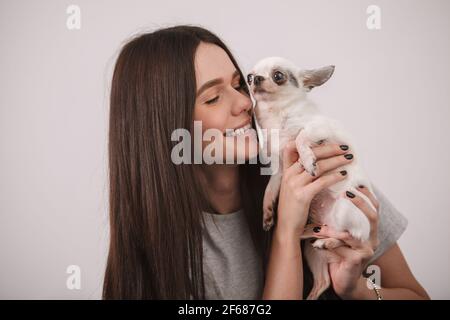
[258, 79]
[242, 103]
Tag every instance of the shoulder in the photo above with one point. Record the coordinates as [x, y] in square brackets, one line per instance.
[391, 223]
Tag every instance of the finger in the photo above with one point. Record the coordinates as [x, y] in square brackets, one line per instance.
[322, 167]
[298, 176]
[370, 195]
[329, 164]
[329, 150]
[293, 171]
[371, 215]
[362, 205]
[290, 154]
[309, 231]
[325, 231]
[324, 182]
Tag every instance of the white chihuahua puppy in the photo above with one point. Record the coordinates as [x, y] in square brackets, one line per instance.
[280, 90]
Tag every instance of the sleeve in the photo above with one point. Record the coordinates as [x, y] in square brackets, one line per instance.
[391, 224]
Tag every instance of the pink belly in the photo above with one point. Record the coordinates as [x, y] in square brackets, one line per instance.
[320, 209]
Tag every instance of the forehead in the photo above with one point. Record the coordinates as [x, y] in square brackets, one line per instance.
[267, 65]
[211, 62]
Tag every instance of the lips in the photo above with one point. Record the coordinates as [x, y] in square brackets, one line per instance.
[243, 124]
[238, 130]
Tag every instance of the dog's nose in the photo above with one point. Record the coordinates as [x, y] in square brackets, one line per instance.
[258, 79]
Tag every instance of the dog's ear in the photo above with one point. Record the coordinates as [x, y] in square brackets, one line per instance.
[315, 77]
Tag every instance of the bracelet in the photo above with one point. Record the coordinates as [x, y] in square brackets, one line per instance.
[375, 288]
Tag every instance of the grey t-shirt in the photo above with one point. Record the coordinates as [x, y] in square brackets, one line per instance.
[231, 266]
[232, 269]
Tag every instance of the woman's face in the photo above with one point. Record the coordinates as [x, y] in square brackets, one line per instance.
[222, 104]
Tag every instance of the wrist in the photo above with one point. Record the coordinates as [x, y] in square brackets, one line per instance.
[288, 242]
[286, 237]
[287, 232]
[361, 291]
[355, 292]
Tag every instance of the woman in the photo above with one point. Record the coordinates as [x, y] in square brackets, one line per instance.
[181, 231]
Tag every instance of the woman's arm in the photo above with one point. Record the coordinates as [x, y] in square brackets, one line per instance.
[284, 279]
[397, 280]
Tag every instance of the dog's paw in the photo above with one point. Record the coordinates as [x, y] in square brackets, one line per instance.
[319, 244]
[359, 234]
[328, 243]
[267, 224]
[359, 228]
[306, 155]
[268, 215]
[308, 160]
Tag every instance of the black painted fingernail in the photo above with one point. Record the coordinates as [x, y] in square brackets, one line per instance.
[343, 147]
[361, 186]
[317, 229]
[348, 156]
[343, 172]
[349, 194]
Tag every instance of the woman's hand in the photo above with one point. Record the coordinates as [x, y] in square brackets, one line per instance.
[298, 187]
[284, 277]
[347, 263]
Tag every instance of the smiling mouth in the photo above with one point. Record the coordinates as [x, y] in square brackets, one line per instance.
[237, 131]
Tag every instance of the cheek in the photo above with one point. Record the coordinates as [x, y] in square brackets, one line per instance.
[272, 86]
[216, 121]
[269, 85]
[212, 117]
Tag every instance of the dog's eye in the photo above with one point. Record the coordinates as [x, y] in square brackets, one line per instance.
[249, 78]
[278, 77]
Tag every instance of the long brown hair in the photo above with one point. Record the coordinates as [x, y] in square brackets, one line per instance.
[154, 205]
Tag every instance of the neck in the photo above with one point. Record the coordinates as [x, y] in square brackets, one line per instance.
[222, 183]
[272, 114]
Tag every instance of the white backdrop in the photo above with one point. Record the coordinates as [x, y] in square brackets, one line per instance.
[390, 88]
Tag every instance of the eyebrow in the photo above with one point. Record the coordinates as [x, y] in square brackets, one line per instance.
[214, 82]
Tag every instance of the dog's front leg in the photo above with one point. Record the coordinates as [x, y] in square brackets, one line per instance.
[304, 143]
[315, 132]
[270, 196]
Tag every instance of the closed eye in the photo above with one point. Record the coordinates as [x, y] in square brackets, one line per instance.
[241, 86]
[213, 100]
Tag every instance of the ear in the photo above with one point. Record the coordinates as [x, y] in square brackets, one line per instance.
[316, 77]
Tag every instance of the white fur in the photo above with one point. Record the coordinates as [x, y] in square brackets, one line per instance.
[287, 107]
